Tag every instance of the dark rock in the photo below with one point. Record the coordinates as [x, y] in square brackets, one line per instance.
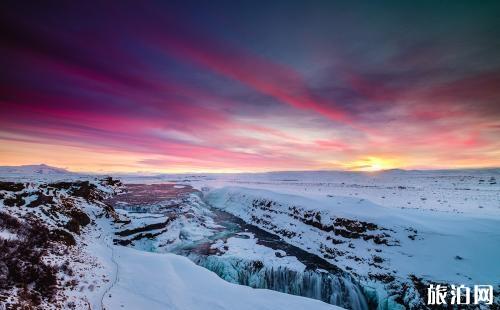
[11, 186]
[257, 265]
[40, 200]
[80, 217]
[17, 200]
[279, 254]
[73, 226]
[128, 232]
[335, 241]
[385, 278]
[60, 235]
[111, 181]
[22, 258]
[122, 242]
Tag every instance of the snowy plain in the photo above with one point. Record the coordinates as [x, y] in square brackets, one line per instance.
[439, 226]
[103, 275]
[442, 226]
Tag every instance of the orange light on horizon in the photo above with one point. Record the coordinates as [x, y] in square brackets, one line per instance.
[374, 163]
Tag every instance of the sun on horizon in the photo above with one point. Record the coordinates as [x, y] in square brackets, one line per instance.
[187, 93]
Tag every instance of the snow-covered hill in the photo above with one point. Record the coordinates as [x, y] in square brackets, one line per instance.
[31, 170]
[396, 231]
[166, 281]
[46, 258]
[385, 248]
[34, 173]
[57, 252]
[361, 241]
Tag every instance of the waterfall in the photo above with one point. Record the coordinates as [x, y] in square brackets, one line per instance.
[335, 288]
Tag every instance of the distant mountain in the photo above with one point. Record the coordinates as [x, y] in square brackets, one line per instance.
[41, 169]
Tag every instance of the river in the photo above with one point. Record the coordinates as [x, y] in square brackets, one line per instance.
[320, 279]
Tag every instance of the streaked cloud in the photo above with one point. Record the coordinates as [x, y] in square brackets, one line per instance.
[233, 87]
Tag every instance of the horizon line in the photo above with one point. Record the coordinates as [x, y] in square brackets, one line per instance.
[152, 173]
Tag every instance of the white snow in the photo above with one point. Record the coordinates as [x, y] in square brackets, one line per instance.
[474, 192]
[7, 235]
[108, 276]
[455, 214]
[440, 239]
[248, 249]
[165, 281]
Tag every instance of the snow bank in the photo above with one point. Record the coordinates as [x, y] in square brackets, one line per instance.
[166, 281]
[377, 243]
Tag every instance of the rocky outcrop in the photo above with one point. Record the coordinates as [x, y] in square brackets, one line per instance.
[41, 224]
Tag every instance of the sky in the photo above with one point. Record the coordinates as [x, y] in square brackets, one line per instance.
[233, 86]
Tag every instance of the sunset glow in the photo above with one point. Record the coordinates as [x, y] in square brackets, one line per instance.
[247, 87]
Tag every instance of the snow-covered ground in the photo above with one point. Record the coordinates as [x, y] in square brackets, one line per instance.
[476, 192]
[86, 270]
[394, 232]
[413, 236]
[245, 245]
[166, 281]
[393, 229]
